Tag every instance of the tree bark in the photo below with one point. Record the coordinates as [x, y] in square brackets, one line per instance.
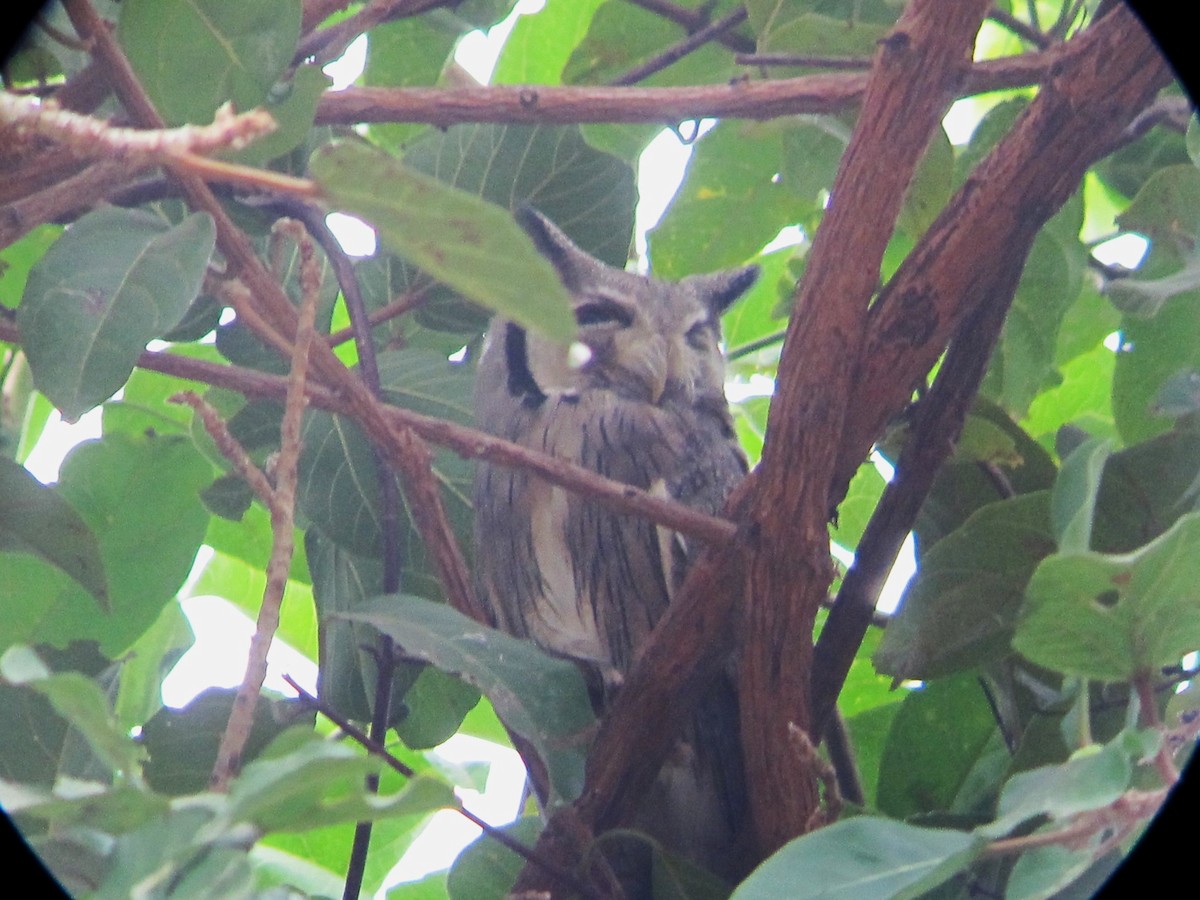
[917, 71]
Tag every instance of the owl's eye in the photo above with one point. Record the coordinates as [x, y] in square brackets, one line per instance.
[603, 312]
[699, 336]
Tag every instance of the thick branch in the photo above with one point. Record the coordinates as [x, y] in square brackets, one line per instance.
[930, 443]
[917, 71]
[1109, 74]
[745, 99]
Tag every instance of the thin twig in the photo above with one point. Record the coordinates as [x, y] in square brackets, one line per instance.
[329, 43]
[389, 497]
[403, 303]
[799, 59]
[1124, 814]
[466, 442]
[281, 502]
[1023, 30]
[692, 20]
[229, 446]
[677, 52]
[244, 176]
[939, 420]
[757, 344]
[377, 748]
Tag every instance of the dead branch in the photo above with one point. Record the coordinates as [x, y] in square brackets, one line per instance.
[87, 136]
[281, 501]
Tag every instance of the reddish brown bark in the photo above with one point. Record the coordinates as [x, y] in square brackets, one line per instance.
[1110, 73]
[748, 99]
[917, 70]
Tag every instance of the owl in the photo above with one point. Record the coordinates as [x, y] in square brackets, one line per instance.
[639, 398]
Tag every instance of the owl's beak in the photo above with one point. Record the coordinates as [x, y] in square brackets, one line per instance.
[667, 374]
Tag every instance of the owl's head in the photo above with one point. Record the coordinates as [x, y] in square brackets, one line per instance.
[647, 340]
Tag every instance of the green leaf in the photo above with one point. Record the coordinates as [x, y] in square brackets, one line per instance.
[321, 783]
[1024, 361]
[861, 859]
[435, 706]
[949, 720]
[1052, 871]
[117, 279]
[930, 187]
[1146, 489]
[182, 743]
[408, 52]
[589, 194]
[144, 400]
[793, 28]
[473, 246]
[338, 481]
[540, 45]
[1180, 394]
[1083, 398]
[868, 735]
[539, 696]
[731, 204]
[154, 857]
[962, 487]
[326, 846]
[1110, 617]
[193, 55]
[1144, 298]
[865, 688]
[150, 660]
[1152, 352]
[242, 582]
[342, 582]
[1130, 168]
[338, 485]
[139, 496]
[19, 257]
[1073, 500]
[752, 316]
[1086, 325]
[90, 804]
[486, 869]
[1092, 779]
[960, 609]
[33, 736]
[621, 37]
[1167, 209]
[812, 150]
[80, 701]
[750, 422]
[293, 106]
[854, 512]
[36, 518]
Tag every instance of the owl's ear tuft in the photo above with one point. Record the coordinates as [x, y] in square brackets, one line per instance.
[718, 290]
[573, 264]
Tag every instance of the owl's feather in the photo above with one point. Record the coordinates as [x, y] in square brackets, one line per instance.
[647, 408]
